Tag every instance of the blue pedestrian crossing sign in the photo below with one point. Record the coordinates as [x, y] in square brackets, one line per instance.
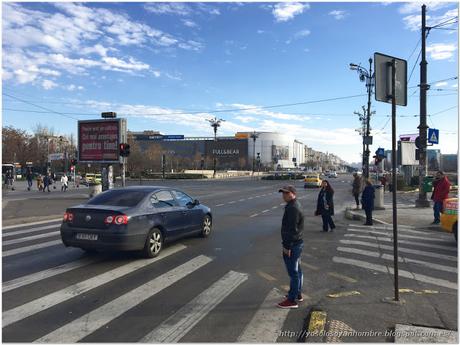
[433, 136]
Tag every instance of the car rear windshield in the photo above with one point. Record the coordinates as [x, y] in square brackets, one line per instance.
[118, 198]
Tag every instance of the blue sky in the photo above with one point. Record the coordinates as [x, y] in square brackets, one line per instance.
[150, 61]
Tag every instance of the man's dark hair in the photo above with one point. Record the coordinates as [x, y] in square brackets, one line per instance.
[441, 172]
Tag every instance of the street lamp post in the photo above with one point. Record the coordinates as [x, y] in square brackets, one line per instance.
[254, 137]
[368, 77]
[215, 124]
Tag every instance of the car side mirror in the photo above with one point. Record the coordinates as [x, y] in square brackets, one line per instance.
[196, 202]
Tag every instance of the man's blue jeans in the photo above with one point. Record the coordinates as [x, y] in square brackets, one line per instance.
[295, 272]
[437, 207]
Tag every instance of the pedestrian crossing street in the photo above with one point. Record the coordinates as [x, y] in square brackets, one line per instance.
[427, 257]
[64, 311]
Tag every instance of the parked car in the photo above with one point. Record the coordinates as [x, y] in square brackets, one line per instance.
[312, 180]
[449, 216]
[137, 218]
[92, 178]
[332, 174]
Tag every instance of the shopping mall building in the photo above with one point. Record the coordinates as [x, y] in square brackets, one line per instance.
[232, 153]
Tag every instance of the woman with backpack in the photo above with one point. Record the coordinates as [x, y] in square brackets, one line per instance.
[325, 206]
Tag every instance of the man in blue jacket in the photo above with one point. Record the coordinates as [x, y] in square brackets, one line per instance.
[292, 240]
[367, 200]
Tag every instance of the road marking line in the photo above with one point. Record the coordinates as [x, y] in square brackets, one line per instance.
[309, 266]
[180, 323]
[241, 199]
[408, 230]
[282, 204]
[402, 273]
[232, 202]
[344, 294]
[385, 239]
[254, 215]
[266, 275]
[88, 323]
[54, 298]
[402, 249]
[31, 238]
[20, 232]
[266, 323]
[33, 223]
[382, 227]
[274, 207]
[390, 234]
[220, 205]
[35, 277]
[250, 198]
[343, 277]
[265, 211]
[29, 248]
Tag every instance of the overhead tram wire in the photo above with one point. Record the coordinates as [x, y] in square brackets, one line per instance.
[445, 23]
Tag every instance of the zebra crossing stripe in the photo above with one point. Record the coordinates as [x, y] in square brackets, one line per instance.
[401, 249]
[20, 232]
[386, 239]
[390, 234]
[52, 299]
[35, 277]
[30, 238]
[403, 229]
[30, 248]
[34, 223]
[401, 259]
[266, 323]
[181, 322]
[402, 273]
[86, 324]
[383, 227]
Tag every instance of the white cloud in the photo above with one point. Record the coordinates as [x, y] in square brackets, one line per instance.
[253, 110]
[180, 8]
[189, 23]
[416, 6]
[455, 86]
[48, 84]
[260, 31]
[157, 74]
[299, 35]
[245, 119]
[441, 51]
[443, 83]
[338, 14]
[284, 12]
[413, 21]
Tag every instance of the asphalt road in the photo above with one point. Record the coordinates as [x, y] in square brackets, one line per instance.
[220, 289]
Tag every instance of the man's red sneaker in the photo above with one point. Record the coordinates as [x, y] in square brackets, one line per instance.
[287, 304]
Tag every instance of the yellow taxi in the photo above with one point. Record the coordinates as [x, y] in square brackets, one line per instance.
[312, 180]
[93, 178]
[449, 216]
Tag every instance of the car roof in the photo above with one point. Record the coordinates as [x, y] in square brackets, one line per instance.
[145, 188]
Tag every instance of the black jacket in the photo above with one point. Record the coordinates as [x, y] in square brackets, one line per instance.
[292, 225]
[367, 198]
[325, 197]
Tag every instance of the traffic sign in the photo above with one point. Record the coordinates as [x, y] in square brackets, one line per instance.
[433, 136]
[380, 152]
[383, 79]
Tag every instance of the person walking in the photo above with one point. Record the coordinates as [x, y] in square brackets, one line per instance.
[39, 182]
[440, 193]
[64, 182]
[47, 182]
[325, 205]
[367, 200]
[29, 178]
[292, 242]
[357, 188]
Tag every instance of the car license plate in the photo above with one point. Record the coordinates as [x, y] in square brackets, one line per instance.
[89, 237]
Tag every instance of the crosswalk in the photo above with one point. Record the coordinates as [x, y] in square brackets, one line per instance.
[424, 256]
[68, 316]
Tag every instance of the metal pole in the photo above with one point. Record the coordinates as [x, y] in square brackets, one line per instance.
[368, 117]
[123, 172]
[215, 159]
[394, 180]
[422, 168]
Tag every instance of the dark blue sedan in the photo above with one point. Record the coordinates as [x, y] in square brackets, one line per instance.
[135, 218]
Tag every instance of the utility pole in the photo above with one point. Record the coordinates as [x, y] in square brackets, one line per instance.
[362, 131]
[254, 137]
[422, 168]
[369, 81]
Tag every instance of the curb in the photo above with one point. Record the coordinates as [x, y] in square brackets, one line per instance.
[349, 214]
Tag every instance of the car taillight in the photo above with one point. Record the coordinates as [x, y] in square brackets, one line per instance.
[68, 217]
[118, 220]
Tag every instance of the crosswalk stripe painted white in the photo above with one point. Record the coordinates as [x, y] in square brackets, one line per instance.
[401, 259]
[402, 273]
[382, 227]
[52, 299]
[390, 234]
[20, 232]
[29, 224]
[88, 323]
[30, 248]
[401, 249]
[409, 230]
[266, 323]
[50, 272]
[30, 238]
[413, 243]
[181, 322]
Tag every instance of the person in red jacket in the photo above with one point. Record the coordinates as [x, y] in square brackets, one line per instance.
[440, 193]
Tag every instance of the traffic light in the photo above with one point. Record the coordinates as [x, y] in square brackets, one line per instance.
[73, 162]
[124, 150]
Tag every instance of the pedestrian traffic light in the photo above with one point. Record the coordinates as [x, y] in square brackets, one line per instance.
[124, 150]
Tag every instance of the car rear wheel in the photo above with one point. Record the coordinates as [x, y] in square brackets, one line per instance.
[153, 243]
[207, 226]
